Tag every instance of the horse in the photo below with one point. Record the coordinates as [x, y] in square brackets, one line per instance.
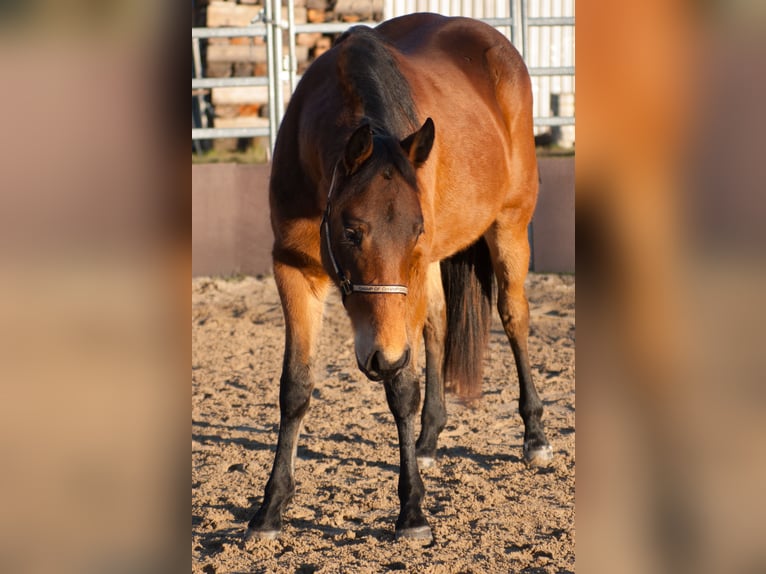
[404, 172]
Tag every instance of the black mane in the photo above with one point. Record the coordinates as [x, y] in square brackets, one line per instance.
[373, 82]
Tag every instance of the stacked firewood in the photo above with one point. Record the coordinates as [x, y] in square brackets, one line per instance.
[246, 56]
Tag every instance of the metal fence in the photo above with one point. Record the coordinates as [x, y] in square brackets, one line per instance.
[542, 31]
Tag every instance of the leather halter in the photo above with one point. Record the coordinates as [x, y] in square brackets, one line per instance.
[346, 286]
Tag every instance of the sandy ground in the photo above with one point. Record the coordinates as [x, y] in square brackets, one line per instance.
[488, 511]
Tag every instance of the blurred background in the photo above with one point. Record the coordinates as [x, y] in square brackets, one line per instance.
[670, 245]
[94, 290]
[95, 238]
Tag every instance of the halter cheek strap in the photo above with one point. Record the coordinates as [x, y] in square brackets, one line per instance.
[346, 286]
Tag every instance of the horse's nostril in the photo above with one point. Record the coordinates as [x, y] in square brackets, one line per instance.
[374, 364]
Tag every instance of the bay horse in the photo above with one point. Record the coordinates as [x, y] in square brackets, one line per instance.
[405, 173]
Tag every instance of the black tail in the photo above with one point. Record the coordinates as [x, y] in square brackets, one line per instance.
[468, 285]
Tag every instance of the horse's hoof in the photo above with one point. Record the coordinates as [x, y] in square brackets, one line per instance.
[538, 456]
[255, 534]
[415, 533]
[426, 462]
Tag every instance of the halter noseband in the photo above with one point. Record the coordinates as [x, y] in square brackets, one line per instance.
[347, 287]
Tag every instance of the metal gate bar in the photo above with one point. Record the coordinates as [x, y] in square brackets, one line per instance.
[273, 28]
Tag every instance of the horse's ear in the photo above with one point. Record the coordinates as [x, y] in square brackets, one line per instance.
[417, 146]
[358, 148]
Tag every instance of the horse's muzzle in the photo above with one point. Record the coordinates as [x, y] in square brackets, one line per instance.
[378, 368]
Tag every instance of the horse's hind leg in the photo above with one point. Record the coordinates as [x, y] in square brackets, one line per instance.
[302, 302]
[509, 245]
[434, 415]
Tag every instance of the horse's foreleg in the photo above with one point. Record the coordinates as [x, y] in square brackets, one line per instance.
[302, 303]
[403, 395]
[509, 246]
[434, 415]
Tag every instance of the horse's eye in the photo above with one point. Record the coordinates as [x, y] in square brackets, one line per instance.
[352, 236]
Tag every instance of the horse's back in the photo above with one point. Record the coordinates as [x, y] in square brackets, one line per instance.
[458, 41]
[473, 83]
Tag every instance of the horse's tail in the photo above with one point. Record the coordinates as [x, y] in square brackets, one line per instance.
[468, 285]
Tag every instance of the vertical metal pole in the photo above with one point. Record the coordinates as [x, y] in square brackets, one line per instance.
[279, 91]
[520, 41]
[201, 103]
[524, 28]
[517, 31]
[198, 74]
[271, 68]
[293, 63]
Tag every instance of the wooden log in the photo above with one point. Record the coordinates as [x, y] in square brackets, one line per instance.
[307, 39]
[242, 122]
[315, 16]
[217, 41]
[228, 14]
[234, 53]
[362, 8]
[226, 111]
[249, 110]
[218, 69]
[240, 95]
[250, 54]
[244, 69]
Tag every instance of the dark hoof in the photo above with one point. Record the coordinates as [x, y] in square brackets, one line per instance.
[426, 461]
[255, 534]
[415, 533]
[538, 455]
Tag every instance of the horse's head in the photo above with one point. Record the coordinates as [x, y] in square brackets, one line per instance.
[373, 224]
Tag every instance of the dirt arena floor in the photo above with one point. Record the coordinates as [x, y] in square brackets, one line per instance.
[489, 512]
